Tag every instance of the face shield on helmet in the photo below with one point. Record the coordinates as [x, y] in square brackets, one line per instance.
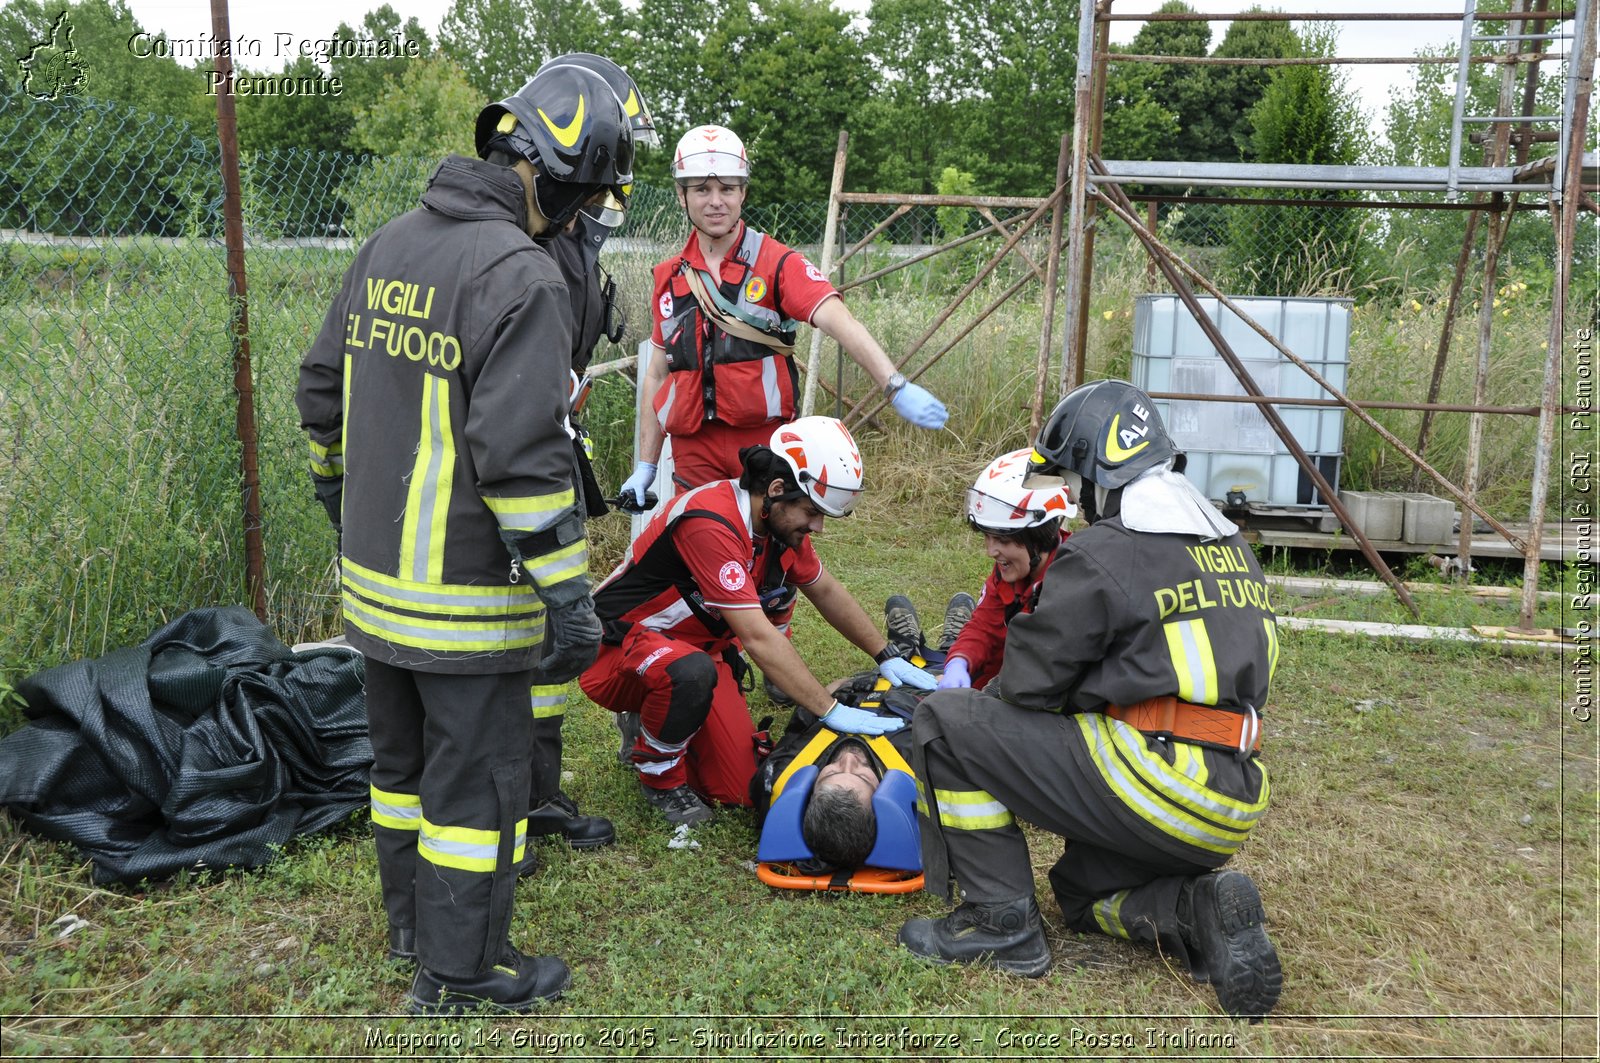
[710, 151]
[1007, 497]
[1107, 433]
[825, 461]
[568, 124]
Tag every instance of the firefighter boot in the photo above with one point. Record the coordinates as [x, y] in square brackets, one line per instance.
[560, 817]
[1224, 927]
[1008, 935]
[516, 983]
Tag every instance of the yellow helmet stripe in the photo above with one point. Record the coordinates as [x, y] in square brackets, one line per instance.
[566, 135]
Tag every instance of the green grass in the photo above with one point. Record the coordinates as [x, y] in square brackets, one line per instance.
[1427, 865]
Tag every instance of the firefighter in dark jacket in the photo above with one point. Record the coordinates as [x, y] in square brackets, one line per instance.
[595, 313]
[1125, 718]
[437, 442]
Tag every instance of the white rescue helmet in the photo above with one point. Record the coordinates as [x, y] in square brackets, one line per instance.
[711, 151]
[825, 460]
[999, 502]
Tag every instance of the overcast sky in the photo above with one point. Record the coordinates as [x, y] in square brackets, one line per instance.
[312, 19]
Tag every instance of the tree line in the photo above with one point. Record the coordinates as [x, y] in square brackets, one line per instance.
[936, 94]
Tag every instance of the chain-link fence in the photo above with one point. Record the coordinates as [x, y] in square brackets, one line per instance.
[120, 498]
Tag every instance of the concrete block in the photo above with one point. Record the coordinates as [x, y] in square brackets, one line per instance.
[1380, 514]
[1428, 519]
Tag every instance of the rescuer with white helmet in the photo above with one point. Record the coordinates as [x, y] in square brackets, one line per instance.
[721, 372]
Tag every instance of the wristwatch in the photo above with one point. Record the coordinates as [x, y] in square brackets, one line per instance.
[892, 386]
[888, 653]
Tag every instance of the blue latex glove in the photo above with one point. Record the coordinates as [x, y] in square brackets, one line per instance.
[847, 719]
[955, 675]
[902, 672]
[916, 404]
[644, 476]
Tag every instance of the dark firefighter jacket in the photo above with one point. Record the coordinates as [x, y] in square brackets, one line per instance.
[1125, 616]
[437, 389]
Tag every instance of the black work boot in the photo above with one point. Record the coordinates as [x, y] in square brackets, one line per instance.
[956, 615]
[516, 983]
[560, 816]
[1224, 927]
[403, 945]
[902, 625]
[1008, 935]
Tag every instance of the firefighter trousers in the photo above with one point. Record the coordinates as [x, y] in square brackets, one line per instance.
[1140, 816]
[450, 779]
[549, 712]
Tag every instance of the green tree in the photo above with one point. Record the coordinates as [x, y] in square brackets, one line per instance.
[908, 127]
[785, 77]
[1417, 125]
[1022, 87]
[1232, 91]
[1307, 116]
[101, 32]
[498, 44]
[367, 77]
[1135, 124]
[429, 111]
[310, 122]
[1184, 90]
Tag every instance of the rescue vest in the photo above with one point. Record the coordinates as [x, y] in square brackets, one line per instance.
[712, 374]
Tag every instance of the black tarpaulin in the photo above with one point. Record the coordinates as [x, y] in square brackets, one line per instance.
[209, 745]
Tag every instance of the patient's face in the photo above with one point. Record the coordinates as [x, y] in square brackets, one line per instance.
[850, 770]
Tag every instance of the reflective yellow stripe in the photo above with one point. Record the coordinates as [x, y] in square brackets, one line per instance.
[889, 755]
[327, 460]
[396, 811]
[1190, 648]
[449, 635]
[1233, 813]
[432, 478]
[548, 701]
[971, 810]
[1163, 797]
[557, 566]
[1108, 913]
[467, 848]
[530, 513]
[440, 599]
[1271, 626]
[1189, 761]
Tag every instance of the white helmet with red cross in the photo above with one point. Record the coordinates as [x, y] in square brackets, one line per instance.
[710, 151]
[825, 460]
[998, 501]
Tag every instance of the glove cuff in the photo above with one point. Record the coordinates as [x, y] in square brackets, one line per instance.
[568, 591]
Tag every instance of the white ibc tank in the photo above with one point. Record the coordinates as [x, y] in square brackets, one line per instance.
[1231, 447]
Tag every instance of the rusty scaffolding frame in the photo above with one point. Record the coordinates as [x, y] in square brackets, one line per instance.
[1080, 191]
[1495, 190]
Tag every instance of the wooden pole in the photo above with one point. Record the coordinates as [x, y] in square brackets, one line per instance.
[1052, 270]
[830, 236]
[239, 323]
